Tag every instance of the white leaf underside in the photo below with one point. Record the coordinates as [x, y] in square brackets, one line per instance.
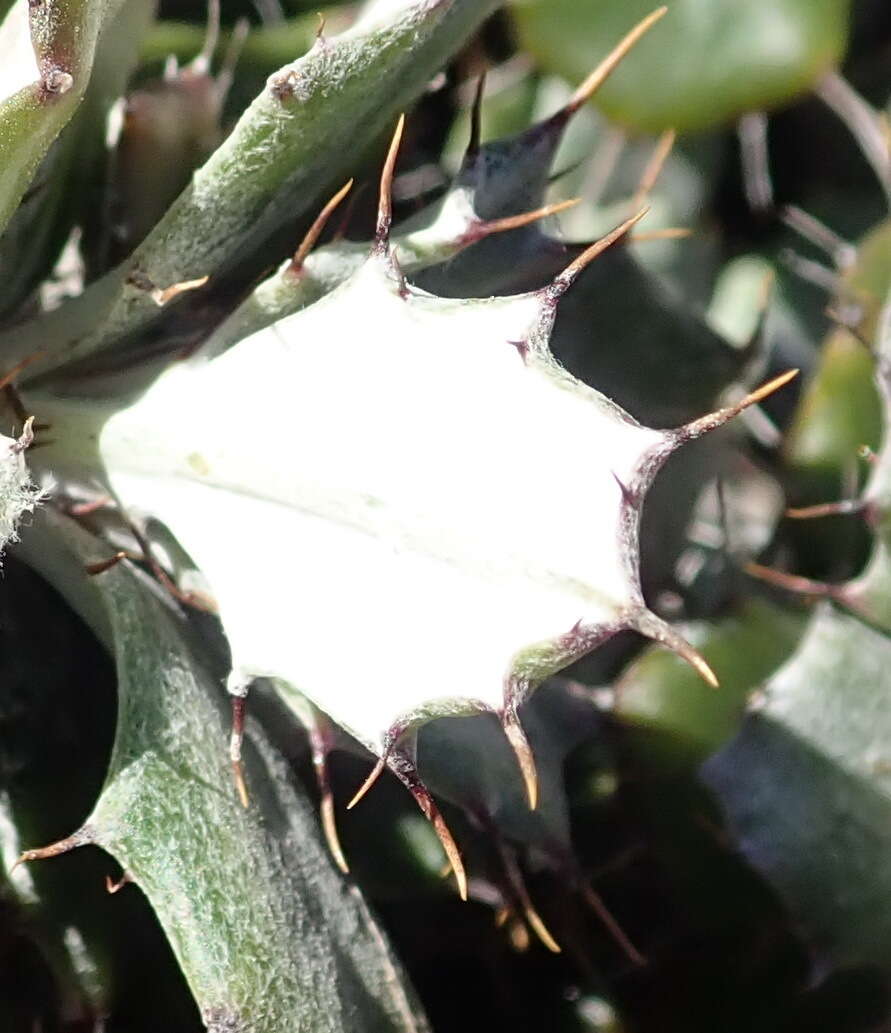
[18, 63]
[388, 502]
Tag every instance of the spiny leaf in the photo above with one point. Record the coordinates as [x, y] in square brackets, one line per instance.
[413, 498]
[807, 788]
[307, 126]
[499, 189]
[267, 934]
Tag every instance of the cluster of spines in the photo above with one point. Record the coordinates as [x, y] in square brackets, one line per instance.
[398, 754]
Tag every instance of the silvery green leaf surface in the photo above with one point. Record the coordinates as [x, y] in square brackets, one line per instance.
[807, 790]
[46, 52]
[309, 125]
[268, 934]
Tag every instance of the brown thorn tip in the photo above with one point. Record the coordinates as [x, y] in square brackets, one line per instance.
[822, 509]
[7, 379]
[239, 708]
[792, 582]
[654, 167]
[102, 565]
[240, 784]
[523, 752]
[693, 657]
[593, 899]
[768, 389]
[668, 233]
[717, 419]
[702, 668]
[161, 295]
[606, 67]
[518, 887]
[451, 851]
[541, 930]
[376, 772]
[62, 846]
[314, 231]
[115, 887]
[385, 203]
[512, 222]
[329, 827]
[563, 280]
[658, 630]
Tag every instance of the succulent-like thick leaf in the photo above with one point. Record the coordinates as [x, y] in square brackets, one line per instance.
[707, 62]
[839, 412]
[41, 88]
[267, 933]
[307, 127]
[64, 186]
[807, 786]
[384, 536]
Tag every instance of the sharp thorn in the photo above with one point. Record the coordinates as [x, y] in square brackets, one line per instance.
[161, 295]
[841, 251]
[449, 846]
[240, 784]
[402, 764]
[606, 67]
[320, 739]
[79, 510]
[653, 168]
[7, 379]
[375, 774]
[647, 623]
[841, 508]
[239, 707]
[82, 837]
[329, 827]
[518, 888]
[512, 222]
[314, 232]
[594, 901]
[541, 930]
[793, 582]
[385, 202]
[115, 887]
[710, 422]
[102, 565]
[668, 233]
[564, 280]
[510, 722]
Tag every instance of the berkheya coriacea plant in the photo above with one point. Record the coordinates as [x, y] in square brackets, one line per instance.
[366, 486]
